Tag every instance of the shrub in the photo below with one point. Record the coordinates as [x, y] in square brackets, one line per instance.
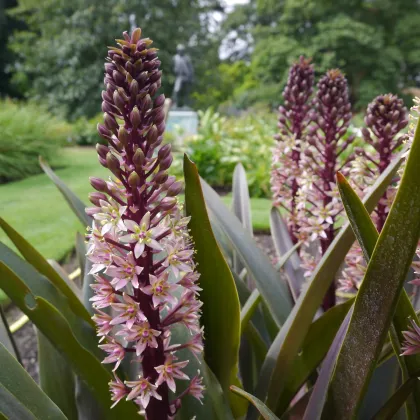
[27, 131]
[222, 142]
[85, 132]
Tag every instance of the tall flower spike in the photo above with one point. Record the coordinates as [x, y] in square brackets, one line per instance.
[385, 117]
[318, 196]
[139, 242]
[292, 124]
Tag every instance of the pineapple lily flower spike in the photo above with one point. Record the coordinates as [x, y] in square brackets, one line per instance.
[142, 254]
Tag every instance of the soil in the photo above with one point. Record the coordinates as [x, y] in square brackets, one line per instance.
[25, 337]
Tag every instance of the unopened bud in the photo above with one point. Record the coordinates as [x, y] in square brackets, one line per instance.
[165, 163]
[160, 100]
[110, 122]
[146, 103]
[138, 158]
[103, 131]
[102, 161]
[174, 189]
[135, 117]
[164, 151]
[152, 135]
[134, 88]
[160, 177]
[133, 180]
[102, 150]
[118, 100]
[98, 183]
[168, 203]
[123, 136]
[135, 36]
[95, 198]
[113, 163]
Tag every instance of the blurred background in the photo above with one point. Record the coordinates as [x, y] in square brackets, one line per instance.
[51, 76]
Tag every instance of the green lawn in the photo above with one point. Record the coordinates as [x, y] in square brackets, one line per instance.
[36, 209]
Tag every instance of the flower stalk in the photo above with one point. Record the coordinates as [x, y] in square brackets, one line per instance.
[139, 244]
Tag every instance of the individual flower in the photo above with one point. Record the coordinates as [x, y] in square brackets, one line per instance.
[411, 345]
[139, 243]
[293, 122]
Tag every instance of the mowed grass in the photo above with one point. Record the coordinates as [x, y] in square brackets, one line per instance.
[37, 210]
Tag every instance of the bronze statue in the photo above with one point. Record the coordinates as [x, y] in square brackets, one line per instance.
[184, 73]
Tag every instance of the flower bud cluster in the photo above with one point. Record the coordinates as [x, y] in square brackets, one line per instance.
[385, 117]
[318, 198]
[142, 254]
[292, 123]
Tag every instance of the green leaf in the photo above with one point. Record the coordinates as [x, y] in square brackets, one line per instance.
[48, 309]
[319, 392]
[241, 204]
[56, 378]
[20, 396]
[6, 336]
[367, 237]
[279, 361]
[313, 351]
[74, 202]
[392, 406]
[272, 285]
[265, 412]
[249, 308]
[380, 289]
[221, 309]
[283, 243]
[44, 267]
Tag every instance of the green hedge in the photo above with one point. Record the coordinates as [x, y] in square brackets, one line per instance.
[26, 132]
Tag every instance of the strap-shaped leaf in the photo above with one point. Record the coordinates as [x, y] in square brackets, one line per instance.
[265, 412]
[6, 336]
[249, 308]
[272, 285]
[56, 377]
[20, 397]
[71, 336]
[392, 406]
[283, 243]
[74, 202]
[44, 267]
[381, 287]
[319, 393]
[279, 361]
[241, 204]
[221, 309]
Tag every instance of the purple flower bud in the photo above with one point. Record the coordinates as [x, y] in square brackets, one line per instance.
[99, 184]
[95, 197]
[102, 150]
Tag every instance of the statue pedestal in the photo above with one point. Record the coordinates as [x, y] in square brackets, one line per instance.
[182, 123]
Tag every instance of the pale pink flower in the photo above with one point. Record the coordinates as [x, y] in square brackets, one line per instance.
[161, 290]
[103, 323]
[116, 353]
[411, 344]
[143, 335]
[104, 293]
[179, 260]
[118, 390]
[170, 371]
[110, 216]
[124, 270]
[196, 387]
[142, 235]
[142, 391]
[130, 312]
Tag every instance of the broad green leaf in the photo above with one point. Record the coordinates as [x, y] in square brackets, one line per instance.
[265, 412]
[367, 237]
[42, 265]
[51, 314]
[378, 294]
[20, 397]
[283, 243]
[313, 351]
[390, 409]
[272, 285]
[74, 202]
[221, 309]
[249, 308]
[279, 361]
[56, 378]
[319, 392]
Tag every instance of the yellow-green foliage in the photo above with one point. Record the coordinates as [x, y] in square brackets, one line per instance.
[26, 132]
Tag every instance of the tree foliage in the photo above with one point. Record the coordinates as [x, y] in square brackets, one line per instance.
[60, 53]
[374, 42]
